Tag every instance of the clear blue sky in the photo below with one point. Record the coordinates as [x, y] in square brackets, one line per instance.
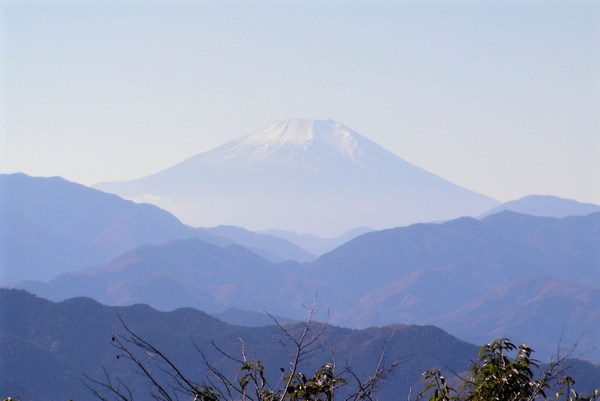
[502, 97]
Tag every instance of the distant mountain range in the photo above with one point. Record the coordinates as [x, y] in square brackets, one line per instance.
[315, 244]
[53, 345]
[49, 226]
[435, 273]
[241, 317]
[69, 240]
[307, 176]
[535, 205]
[447, 274]
[182, 273]
[545, 205]
[47, 348]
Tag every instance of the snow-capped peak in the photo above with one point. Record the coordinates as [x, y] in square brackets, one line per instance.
[299, 135]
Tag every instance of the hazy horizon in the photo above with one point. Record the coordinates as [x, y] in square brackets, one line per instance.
[499, 97]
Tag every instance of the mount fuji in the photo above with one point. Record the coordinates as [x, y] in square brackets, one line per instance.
[311, 176]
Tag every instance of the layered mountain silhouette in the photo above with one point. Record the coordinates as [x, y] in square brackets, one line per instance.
[47, 348]
[528, 269]
[307, 176]
[430, 273]
[49, 226]
[182, 273]
[446, 274]
[315, 244]
[545, 205]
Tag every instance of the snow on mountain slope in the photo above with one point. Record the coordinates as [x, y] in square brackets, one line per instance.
[298, 142]
[298, 134]
[310, 176]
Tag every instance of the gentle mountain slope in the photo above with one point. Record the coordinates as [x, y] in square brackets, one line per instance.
[246, 318]
[545, 205]
[29, 251]
[98, 225]
[552, 312]
[179, 273]
[568, 248]
[50, 226]
[476, 248]
[271, 247]
[306, 176]
[426, 272]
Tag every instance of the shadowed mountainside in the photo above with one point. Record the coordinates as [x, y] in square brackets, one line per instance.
[56, 343]
[47, 348]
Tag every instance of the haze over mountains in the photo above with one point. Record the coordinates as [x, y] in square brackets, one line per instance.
[307, 176]
[315, 244]
[442, 273]
[528, 269]
[450, 274]
[545, 205]
[50, 226]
